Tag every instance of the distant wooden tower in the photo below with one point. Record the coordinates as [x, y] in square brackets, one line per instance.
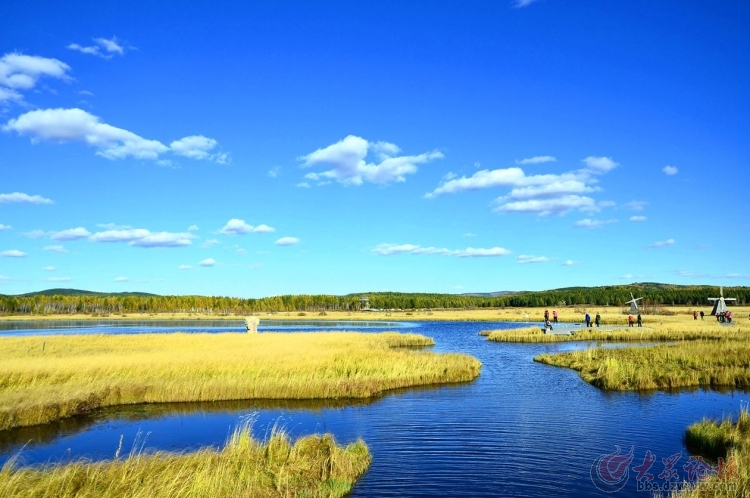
[364, 303]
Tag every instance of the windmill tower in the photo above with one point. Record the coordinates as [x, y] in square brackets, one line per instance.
[633, 304]
[720, 305]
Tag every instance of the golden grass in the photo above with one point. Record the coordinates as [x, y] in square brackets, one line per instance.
[47, 378]
[729, 441]
[708, 362]
[312, 466]
[671, 332]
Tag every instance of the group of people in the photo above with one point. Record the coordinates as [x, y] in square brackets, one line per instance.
[547, 323]
[597, 320]
[724, 317]
[695, 315]
[630, 320]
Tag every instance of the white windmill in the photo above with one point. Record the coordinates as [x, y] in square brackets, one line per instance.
[720, 305]
[633, 304]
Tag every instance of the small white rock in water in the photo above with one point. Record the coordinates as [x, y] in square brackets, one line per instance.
[251, 322]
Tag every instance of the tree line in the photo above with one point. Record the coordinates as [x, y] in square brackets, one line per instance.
[652, 294]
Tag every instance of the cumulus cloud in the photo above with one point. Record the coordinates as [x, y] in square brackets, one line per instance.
[287, 241]
[570, 262]
[22, 72]
[13, 253]
[59, 249]
[525, 259]
[21, 198]
[637, 218]
[537, 160]
[193, 228]
[350, 167]
[208, 262]
[662, 243]
[545, 207]
[670, 170]
[140, 237]
[239, 227]
[599, 165]
[469, 252]
[274, 172]
[5, 227]
[185, 267]
[70, 234]
[122, 279]
[590, 223]
[303, 185]
[77, 125]
[102, 47]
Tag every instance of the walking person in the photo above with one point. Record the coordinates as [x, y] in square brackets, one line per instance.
[630, 320]
[598, 319]
[701, 315]
[588, 320]
[554, 316]
[640, 320]
[695, 315]
[546, 315]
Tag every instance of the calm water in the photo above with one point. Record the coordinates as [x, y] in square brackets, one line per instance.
[520, 429]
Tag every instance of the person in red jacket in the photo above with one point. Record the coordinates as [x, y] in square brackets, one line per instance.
[630, 320]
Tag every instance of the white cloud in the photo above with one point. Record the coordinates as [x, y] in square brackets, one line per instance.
[637, 218]
[303, 185]
[13, 253]
[21, 198]
[347, 157]
[59, 279]
[523, 3]
[469, 252]
[287, 241]
[662, 243]
[636, 205]
[263, 229]
[103, 48]
[274, 172]
[5, 227]
[77, 125]
[64, 125]
[545, 207]
[537, 160]
[553, 189]
[208, 262]
[239, 227]
[688, 273]
[210, 243]
[185, 267]
[734, 275]
[140, 237]
[589, 223]
[600, 165]
[122, 279]
[670, 170]
[22, 72]
[468, 234]
[198, 147]
[49, 268]
[59, 249]
[70, 234]
[525, 259]
[570, 262]
[236, 227]
[193, 228]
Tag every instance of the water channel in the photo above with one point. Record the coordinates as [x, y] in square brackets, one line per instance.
[520, 429]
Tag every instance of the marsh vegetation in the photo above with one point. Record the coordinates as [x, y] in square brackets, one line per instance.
[47, 378]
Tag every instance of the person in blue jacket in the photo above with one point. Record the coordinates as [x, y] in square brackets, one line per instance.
[588, 320]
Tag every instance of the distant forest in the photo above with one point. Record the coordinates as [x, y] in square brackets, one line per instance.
[69, 301]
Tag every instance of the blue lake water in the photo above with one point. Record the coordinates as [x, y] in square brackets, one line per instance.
[520, 429]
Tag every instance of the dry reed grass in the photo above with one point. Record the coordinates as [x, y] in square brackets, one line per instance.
[47, 378]
[312, 466]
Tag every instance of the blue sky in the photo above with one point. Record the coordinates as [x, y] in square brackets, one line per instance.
[260, 148]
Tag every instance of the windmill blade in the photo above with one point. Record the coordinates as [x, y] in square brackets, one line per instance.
[730, 299]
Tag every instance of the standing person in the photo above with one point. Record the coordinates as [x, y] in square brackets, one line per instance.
[640, 320]
[701, 315]
[546, 315]
[598, 319]
[588, 320]
[728, 316]
[695, 315]
[630, 320]
[547, 326]
[554, 316]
